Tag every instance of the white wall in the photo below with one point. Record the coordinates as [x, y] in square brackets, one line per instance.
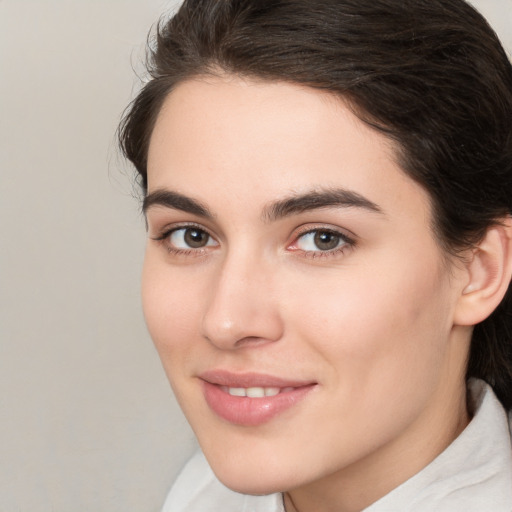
[87, 420]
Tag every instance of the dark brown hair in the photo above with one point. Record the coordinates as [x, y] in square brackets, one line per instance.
[430, 74]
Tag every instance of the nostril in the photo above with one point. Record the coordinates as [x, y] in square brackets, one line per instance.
[250, 341]
[248, 328]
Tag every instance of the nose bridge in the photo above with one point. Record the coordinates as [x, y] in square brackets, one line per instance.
[242, 307]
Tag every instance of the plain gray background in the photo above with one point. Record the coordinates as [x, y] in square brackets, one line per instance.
[87, 419]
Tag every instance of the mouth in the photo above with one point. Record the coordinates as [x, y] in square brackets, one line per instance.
[251, 399]
[256, 392]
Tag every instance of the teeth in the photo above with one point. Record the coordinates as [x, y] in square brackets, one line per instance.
[254, 392]
[237, 391]
[272, 391]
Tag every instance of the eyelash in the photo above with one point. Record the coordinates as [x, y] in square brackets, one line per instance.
[346, 242]
[163, 238]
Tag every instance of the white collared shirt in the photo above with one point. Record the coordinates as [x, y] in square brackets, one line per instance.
[474, 474]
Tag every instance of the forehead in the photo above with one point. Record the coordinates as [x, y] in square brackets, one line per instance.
[246, 142]
[243, 114]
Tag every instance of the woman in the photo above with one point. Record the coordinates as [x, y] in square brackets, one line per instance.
[328, 192]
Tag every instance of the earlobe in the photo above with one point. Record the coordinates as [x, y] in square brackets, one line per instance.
[489, 272]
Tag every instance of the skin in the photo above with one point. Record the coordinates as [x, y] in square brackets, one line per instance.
[371, 321]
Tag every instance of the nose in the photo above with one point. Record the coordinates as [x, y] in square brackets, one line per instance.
[242, 309]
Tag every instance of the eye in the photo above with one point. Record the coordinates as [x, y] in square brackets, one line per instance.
[189, 238]
[321, 240]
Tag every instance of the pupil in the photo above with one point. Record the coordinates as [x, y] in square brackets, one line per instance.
[196, 238]
[326, 241]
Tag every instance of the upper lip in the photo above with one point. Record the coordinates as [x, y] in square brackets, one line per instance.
[250, 379]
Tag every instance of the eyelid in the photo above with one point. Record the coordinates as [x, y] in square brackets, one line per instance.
[345, 235]
[348, 238]
[167, 230]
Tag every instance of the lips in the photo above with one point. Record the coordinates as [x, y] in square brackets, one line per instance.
[251, 399]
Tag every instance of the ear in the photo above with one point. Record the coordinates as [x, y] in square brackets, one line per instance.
[489, 271]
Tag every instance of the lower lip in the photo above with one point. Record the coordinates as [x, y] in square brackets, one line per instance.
[251, 412]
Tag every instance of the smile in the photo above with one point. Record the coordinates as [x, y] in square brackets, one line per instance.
[255, 392]
[251, 399]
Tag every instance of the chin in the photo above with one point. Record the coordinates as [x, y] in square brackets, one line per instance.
[247, 478]
[255, 485]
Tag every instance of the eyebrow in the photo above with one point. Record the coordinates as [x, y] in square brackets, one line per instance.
[294, 204]
[317, 199]
[176, 201]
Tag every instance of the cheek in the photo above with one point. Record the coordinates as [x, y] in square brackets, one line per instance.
[380, 341]
[378, 323]
[171, 309]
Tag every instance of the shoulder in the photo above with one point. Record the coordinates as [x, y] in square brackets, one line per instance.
[198, 490]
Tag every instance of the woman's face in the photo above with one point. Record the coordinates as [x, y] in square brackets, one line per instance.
[294, 290]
